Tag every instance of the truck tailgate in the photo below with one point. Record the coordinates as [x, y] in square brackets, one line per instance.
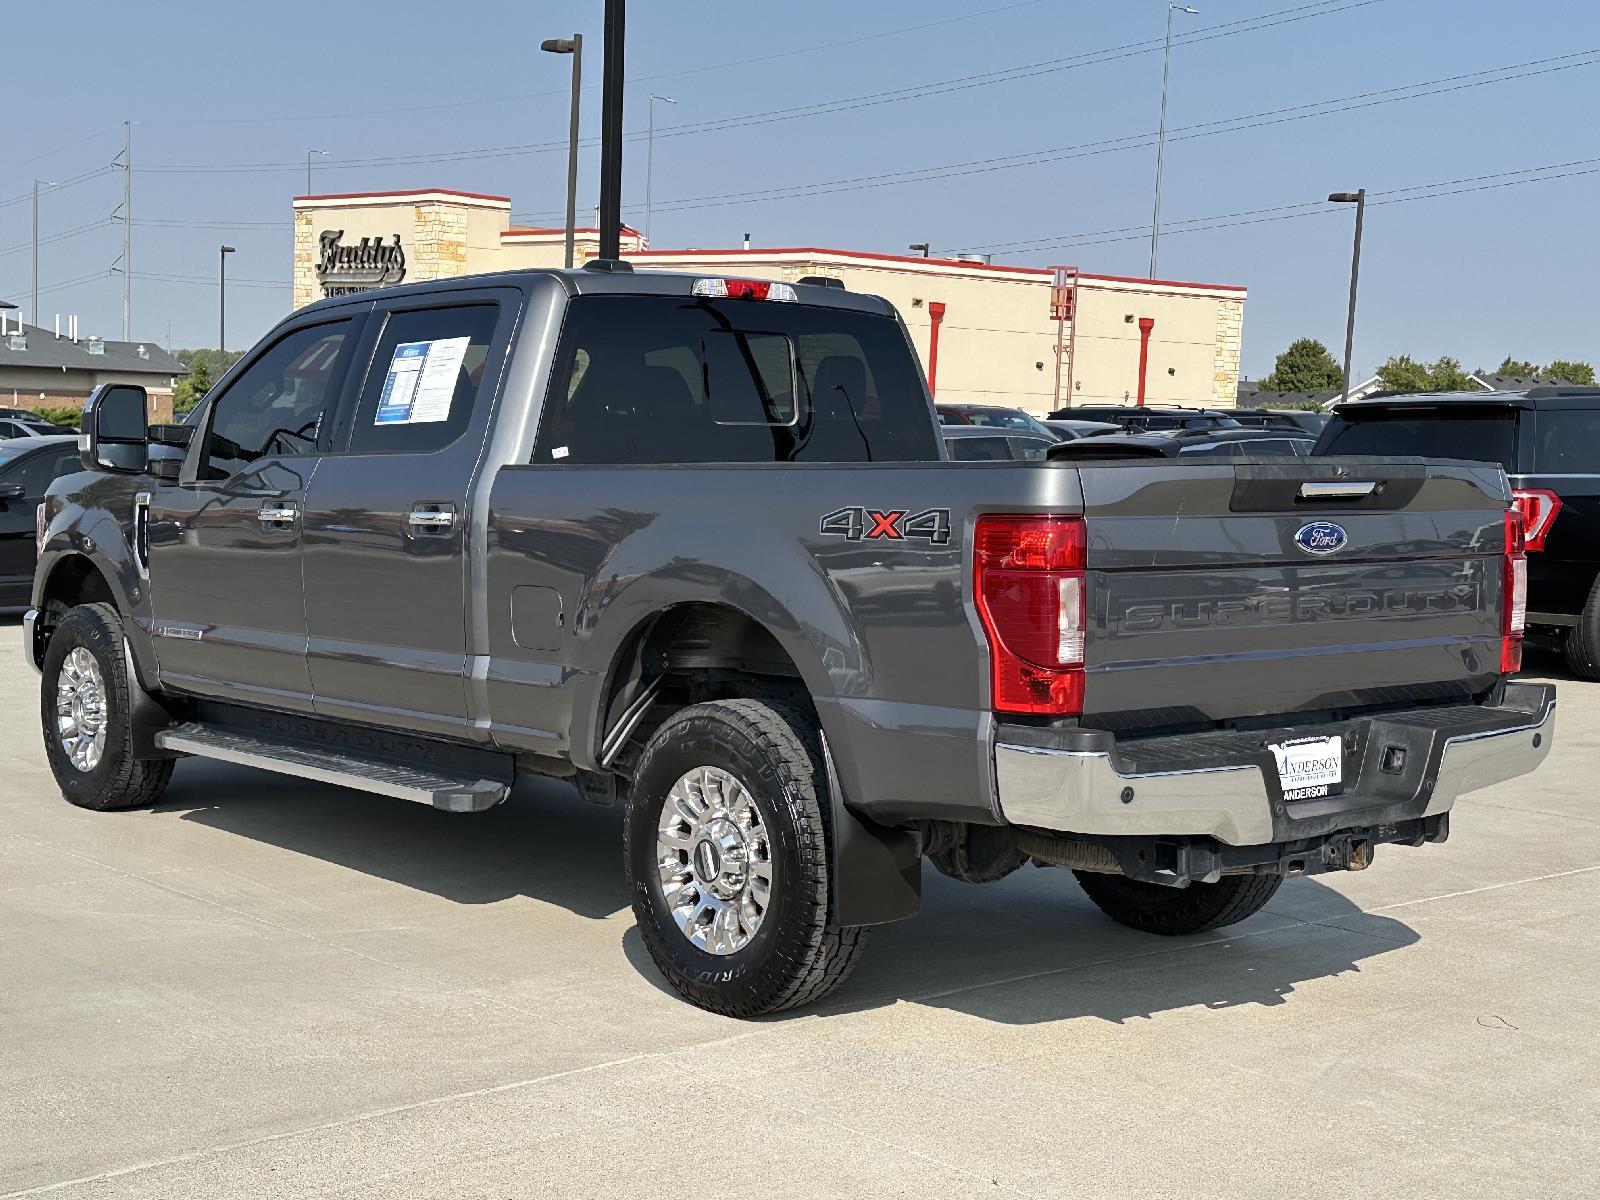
[1211, 598]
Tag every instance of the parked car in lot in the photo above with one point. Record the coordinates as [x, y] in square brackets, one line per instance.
[1192, 443]
[694, 544]
[1136, 418]
[1294, 420]
[28, 465]
[1548, 441]
[17, 424]
[991, 416]
[977, 443]
[1072, 430]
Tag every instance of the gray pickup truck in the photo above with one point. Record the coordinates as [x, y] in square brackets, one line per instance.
[694, 544]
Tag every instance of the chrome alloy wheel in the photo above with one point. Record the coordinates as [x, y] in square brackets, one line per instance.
[715, 860]
[81, 709]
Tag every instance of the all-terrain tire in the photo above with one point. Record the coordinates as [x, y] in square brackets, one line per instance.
[1152, 908]
[1582, 645]
[118, 780]
[797, 955]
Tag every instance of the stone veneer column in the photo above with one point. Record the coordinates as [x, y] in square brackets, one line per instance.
[305, 258]
[1230, 335]
[440, 242]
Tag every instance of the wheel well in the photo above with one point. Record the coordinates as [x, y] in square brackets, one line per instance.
[685, 655]
[76, 580]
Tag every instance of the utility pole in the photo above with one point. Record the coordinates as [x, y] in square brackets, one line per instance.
[222, 296]
[1161, 138]
[127, 229]
[574, 47]
[33, 314]
[1359, 199]
[611, 131]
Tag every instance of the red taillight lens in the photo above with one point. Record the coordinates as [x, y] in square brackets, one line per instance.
[743, 289]
[1539, 509]
[1514, 611]
[1030, 589]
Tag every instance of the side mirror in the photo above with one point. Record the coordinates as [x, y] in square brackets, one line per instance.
[116, 429]
[12, 491]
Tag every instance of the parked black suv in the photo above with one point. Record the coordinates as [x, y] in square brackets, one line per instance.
[1137, 418]
[1548, 441]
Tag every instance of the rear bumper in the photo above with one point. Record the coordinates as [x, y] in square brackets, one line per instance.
[1224, 786]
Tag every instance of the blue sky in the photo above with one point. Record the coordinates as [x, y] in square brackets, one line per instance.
[225, 98]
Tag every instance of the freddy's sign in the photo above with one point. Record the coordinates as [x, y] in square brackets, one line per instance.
[372, 263]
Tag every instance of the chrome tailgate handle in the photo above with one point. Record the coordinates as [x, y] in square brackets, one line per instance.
[428, 519]
[1336, 491]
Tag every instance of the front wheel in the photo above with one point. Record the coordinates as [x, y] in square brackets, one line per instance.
[85, 706]
[726, 848]
[1152, 908]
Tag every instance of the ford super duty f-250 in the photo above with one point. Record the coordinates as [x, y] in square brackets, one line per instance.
[694, 544]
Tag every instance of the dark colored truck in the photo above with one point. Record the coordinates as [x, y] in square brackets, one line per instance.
[694, 544]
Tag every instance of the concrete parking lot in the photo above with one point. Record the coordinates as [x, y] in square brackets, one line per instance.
[270, 988]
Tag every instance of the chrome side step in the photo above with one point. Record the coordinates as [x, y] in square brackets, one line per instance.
[451, 791]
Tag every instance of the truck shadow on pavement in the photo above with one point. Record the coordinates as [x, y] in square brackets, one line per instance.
[1029, 949]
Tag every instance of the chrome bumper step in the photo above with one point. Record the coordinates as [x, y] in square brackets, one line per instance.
[451, 791]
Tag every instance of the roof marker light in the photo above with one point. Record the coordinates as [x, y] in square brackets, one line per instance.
[743, 289]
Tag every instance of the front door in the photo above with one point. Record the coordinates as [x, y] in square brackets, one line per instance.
[388, 519]
[227, 611]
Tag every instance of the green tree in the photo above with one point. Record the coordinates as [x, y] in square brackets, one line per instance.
[1518, 368]
[1306, 366]
[1402, 373]
[1580, 374]
[205, 368]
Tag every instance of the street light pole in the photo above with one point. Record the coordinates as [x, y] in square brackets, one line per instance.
[37, 183]
[1161, 138]
[574, 47]
[309, 153]
[1359, 199]
[222, 296]
[650, 160]
[613, 70]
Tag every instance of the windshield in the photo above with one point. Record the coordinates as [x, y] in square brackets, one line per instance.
[1476, 434]
[1011, 418]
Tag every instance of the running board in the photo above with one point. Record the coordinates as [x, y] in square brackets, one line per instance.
[451, 791]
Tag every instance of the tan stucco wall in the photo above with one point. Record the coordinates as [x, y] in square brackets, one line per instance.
[997, 342]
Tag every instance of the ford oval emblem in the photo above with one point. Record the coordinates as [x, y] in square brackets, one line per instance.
[1321, 537]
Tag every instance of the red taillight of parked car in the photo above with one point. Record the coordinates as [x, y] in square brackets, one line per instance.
[1029, 583]
[1539, 508]
[1514, 616]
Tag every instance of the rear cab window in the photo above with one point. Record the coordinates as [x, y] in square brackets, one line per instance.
[1475, 432]
[687, 380]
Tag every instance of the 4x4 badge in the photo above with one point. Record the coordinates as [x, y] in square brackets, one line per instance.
[1321, 537]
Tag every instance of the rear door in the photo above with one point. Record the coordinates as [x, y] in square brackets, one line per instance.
[388, 519]
[1214, 598]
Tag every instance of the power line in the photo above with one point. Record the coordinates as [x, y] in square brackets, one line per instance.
[66, 183]
[634, 82]
[822, 108]
[75, 231]
[51, 153]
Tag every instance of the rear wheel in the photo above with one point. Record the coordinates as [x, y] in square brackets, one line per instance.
[85, 702]
[1152, 908]
[726, 846]
[1583, 640]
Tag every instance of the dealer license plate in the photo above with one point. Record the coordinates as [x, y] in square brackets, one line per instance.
[1309, 767]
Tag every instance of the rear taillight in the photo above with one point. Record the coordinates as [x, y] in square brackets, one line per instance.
[1539, 509]
[1029, 583]
[1514, 609]
[743, 289]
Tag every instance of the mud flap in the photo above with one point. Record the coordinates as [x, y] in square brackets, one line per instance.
[875, 872]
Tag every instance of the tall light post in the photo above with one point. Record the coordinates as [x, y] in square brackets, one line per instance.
[1161, 138]
[33, 314]
[611, 77]
[222, 296]
[573, 46]
[309, 154]
[1359, 199]
[650, 159]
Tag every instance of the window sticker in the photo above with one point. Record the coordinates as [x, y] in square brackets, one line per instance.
[421, 383]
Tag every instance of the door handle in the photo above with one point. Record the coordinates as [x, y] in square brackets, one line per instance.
[430, 520]
[277, 514]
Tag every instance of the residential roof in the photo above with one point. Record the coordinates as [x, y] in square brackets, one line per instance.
[46, 350]
[1513, 383]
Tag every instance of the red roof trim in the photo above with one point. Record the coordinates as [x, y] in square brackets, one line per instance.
[767, 252]
[406, 192]
[1212, 287]
[524, 229]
